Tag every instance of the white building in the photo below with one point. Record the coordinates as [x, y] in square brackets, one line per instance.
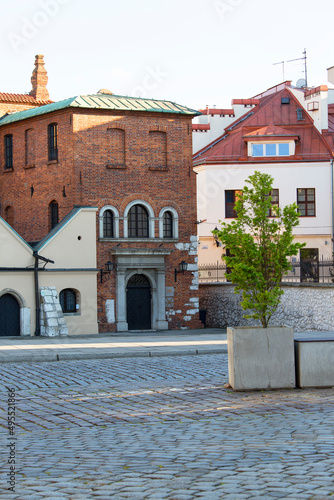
[281, 132]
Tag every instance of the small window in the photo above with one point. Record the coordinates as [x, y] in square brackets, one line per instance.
[9, 151]
[231, 197]
[138, 222]
[53, 214]
[285, 100]
[300, 114]
[168, 224]
[108, 224]
[53, 141]
[68, 300]
[306, 202]
[271, 149]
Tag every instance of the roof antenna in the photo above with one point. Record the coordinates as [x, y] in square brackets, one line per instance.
[281, 62]
[304, 58]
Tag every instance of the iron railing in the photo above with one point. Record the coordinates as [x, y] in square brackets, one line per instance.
[304, 271]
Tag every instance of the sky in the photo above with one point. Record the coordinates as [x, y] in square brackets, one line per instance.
[193, 52]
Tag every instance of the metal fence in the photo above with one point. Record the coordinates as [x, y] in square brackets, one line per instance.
[304, 271]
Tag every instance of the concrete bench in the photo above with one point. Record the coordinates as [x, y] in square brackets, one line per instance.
[314, 359]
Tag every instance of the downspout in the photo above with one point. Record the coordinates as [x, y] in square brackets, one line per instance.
[37, 299]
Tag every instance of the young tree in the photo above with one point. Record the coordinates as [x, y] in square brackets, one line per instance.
[259, 246]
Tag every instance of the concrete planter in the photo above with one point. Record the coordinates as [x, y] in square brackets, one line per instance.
[261, 358]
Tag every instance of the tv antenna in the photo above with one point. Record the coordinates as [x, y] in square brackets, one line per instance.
[304, 58]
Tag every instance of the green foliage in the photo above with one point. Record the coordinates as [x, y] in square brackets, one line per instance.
[259, 246]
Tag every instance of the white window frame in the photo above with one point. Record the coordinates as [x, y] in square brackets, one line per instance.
[116, 221]
[175, 222]
[291, 144]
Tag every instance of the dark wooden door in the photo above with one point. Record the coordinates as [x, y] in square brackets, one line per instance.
[9, 316]
[138, 302]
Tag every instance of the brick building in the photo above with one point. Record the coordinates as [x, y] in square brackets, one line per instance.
[132, 159]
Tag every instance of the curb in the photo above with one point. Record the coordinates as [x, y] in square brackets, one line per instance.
[52, 357]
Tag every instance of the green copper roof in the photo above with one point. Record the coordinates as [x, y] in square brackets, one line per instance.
[102, 101]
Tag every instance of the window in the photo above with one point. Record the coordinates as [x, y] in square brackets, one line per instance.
[306, 202]
[285, 100]
[68, 300]
[309, 265]
[271, 149]
[168, 225]
[29, 147]
[9, 215]
[138, 222]
[299, 114]
[53, 141]
[108, 224]
[230, 199]
[158, 145]
[53, 214]
[274, 202]
[9, 151]
[116, 146]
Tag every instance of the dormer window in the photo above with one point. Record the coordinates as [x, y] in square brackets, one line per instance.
[270, 149]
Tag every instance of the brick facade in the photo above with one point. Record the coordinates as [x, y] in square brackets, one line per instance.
[155, 167]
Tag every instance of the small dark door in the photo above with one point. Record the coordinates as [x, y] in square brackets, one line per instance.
[138, 301]
[9, 316]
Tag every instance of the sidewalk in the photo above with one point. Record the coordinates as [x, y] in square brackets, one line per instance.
[120, 345]
[113, 345]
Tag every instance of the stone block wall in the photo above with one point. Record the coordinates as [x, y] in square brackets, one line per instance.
[303, 306]
[53, 322]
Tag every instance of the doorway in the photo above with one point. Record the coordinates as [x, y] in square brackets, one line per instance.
[9, 316]
[138, 301]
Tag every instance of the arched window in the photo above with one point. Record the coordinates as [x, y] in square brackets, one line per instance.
[168, 225]
[108, 224]
[68, 299]
[138, 222]
[9, 215]
[53, 214]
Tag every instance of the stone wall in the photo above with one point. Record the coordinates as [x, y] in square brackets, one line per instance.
[53, 323]
[303, 306]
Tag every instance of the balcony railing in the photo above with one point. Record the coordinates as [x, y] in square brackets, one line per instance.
[305, 271]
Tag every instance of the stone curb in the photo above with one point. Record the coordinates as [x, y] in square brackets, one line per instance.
[59, 356]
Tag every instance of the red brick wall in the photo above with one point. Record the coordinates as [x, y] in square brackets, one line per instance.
[85, 174]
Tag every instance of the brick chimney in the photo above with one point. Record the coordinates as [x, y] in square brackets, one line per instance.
[39, 80]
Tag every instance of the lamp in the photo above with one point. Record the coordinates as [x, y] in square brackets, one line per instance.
[110, 266]
[183, 266]
[215, 237]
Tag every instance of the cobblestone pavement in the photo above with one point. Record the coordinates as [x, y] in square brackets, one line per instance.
[161, 428]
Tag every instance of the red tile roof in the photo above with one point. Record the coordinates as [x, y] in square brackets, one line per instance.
[246, 102]
[269, 115]
[22, 99]
[201, 126]
[215, 111]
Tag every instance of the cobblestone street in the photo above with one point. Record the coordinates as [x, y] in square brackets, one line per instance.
[162, 428]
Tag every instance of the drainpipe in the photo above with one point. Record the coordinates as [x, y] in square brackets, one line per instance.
[37, 299]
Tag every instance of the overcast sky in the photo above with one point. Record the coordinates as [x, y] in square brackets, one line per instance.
[194, 52]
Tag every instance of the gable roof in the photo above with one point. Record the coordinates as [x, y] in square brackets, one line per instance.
[268, 120]
[105, 102]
